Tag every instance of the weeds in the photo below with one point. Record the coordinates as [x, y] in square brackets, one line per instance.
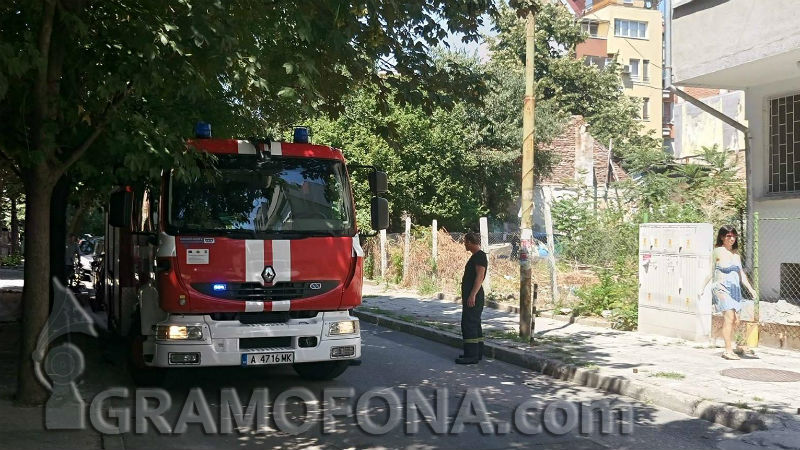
[669, 375]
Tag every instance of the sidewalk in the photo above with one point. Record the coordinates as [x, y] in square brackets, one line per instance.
[671, 371]
[23, 427]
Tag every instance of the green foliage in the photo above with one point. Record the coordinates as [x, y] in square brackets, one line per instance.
[597, 237]
[396, 260]
[575, 87]
[616, 293]
[428, 285]
[369, 266]
[13, 260]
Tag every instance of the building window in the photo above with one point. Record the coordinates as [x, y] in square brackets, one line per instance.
[590, 28]
[646, 70]
[634, 69]
[601, 62]
[784, 144]
[630, 28]
[667, 113]
[646, 108]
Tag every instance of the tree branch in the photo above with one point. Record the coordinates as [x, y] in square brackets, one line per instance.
[73, 156]
[40, 88]
[12, 164]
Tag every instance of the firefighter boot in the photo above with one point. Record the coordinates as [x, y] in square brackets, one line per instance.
[470, 354]
[480, 351]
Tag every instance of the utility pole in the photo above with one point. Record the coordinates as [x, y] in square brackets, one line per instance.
[526, 221]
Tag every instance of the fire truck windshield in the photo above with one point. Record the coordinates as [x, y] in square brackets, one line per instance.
[278, 196]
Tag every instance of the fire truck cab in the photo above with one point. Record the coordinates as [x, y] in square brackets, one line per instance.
[257, 265]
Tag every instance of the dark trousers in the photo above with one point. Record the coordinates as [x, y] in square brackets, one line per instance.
[471, 330]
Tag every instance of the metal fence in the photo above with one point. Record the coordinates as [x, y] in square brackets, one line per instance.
[417, 261]
[776, 277]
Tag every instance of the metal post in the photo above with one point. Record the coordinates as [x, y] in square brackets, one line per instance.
[435, 239]
[526, 226]
[551, 248]
[407, 248]
[756, 286]
[383, 254]
[484, 224]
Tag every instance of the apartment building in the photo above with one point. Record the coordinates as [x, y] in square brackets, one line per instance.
[630, 31]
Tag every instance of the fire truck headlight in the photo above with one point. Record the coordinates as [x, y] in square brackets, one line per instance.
[344, 327]
[179, 332]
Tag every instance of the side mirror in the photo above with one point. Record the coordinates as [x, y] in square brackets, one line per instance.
[378, 182]
[120, 209]
[379, 213]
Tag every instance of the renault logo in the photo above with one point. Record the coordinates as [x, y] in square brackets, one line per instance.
[268, 274]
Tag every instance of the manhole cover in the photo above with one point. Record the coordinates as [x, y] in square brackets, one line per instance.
[762, 374]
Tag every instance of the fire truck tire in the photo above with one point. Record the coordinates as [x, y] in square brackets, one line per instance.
[142, 374]
[325, 370]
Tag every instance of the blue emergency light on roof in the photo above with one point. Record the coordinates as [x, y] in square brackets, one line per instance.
[202, 130]
[220, 287]
[301, 135]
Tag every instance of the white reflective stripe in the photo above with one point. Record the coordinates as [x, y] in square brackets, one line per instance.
[357, 250]
[166, 246]
[246, 148]
[275, 149]
[280, 305]
[254, 306]
[282, 260]
[254, 260]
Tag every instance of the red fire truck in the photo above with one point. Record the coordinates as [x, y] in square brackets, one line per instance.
[258, 265]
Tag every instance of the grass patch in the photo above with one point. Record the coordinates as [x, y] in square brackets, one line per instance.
[669, 375]
[758, 399]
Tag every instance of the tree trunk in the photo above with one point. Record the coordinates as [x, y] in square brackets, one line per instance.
[14, 225]
[58, 232]
[35, 293]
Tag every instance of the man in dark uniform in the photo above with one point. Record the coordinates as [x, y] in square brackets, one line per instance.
[472, 299]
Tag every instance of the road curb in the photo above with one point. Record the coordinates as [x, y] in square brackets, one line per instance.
[720, 413]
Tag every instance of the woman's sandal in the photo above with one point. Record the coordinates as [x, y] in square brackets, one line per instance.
[744, 351]
[730, 355]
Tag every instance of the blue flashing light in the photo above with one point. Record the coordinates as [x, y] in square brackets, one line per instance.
[301, 135]
[220, 287]
[202, 130]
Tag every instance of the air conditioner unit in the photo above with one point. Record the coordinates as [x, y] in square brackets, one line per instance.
[626, 69]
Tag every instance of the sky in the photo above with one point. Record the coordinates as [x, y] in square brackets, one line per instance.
[481, 49]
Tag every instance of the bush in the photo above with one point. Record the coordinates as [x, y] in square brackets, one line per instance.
[369, 267]
[615, 294]
[12, 260]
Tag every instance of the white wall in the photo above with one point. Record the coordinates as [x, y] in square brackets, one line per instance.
[718, 43]
[695, 128]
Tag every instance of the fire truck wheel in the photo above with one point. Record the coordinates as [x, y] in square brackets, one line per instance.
[141, 373]
[326, 370]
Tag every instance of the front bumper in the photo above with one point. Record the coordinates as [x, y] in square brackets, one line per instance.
[221, 339]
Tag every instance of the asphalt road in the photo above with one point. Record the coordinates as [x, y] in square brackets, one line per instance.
[401, 363]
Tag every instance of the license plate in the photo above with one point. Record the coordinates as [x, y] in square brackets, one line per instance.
[265, 359]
